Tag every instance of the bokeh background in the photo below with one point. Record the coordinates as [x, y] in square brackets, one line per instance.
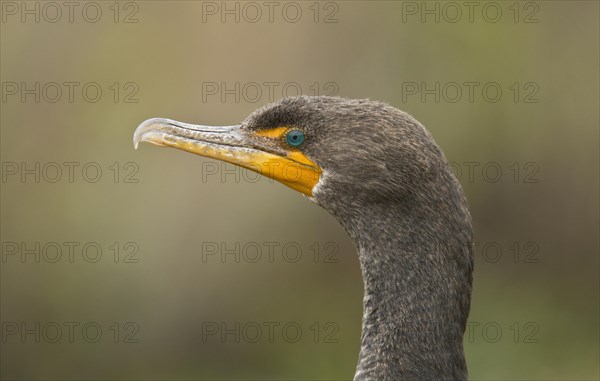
[156, 290]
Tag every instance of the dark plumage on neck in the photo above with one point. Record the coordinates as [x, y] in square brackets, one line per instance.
[417, 280]
[416, 259]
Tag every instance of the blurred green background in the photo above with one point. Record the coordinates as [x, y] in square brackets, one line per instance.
[158, 292]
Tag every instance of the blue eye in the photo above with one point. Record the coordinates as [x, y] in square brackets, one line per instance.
[294, 138]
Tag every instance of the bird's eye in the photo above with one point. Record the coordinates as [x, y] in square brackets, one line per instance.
[294, 138]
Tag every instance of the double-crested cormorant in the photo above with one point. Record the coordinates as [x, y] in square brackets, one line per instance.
[379, 172]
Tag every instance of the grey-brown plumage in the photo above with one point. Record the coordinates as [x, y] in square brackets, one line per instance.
[389, 185]
[386, 181]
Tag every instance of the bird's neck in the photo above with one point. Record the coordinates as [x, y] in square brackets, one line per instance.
[417, 278]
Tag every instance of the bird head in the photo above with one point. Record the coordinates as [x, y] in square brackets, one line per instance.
[363, 150]
[379, 172]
